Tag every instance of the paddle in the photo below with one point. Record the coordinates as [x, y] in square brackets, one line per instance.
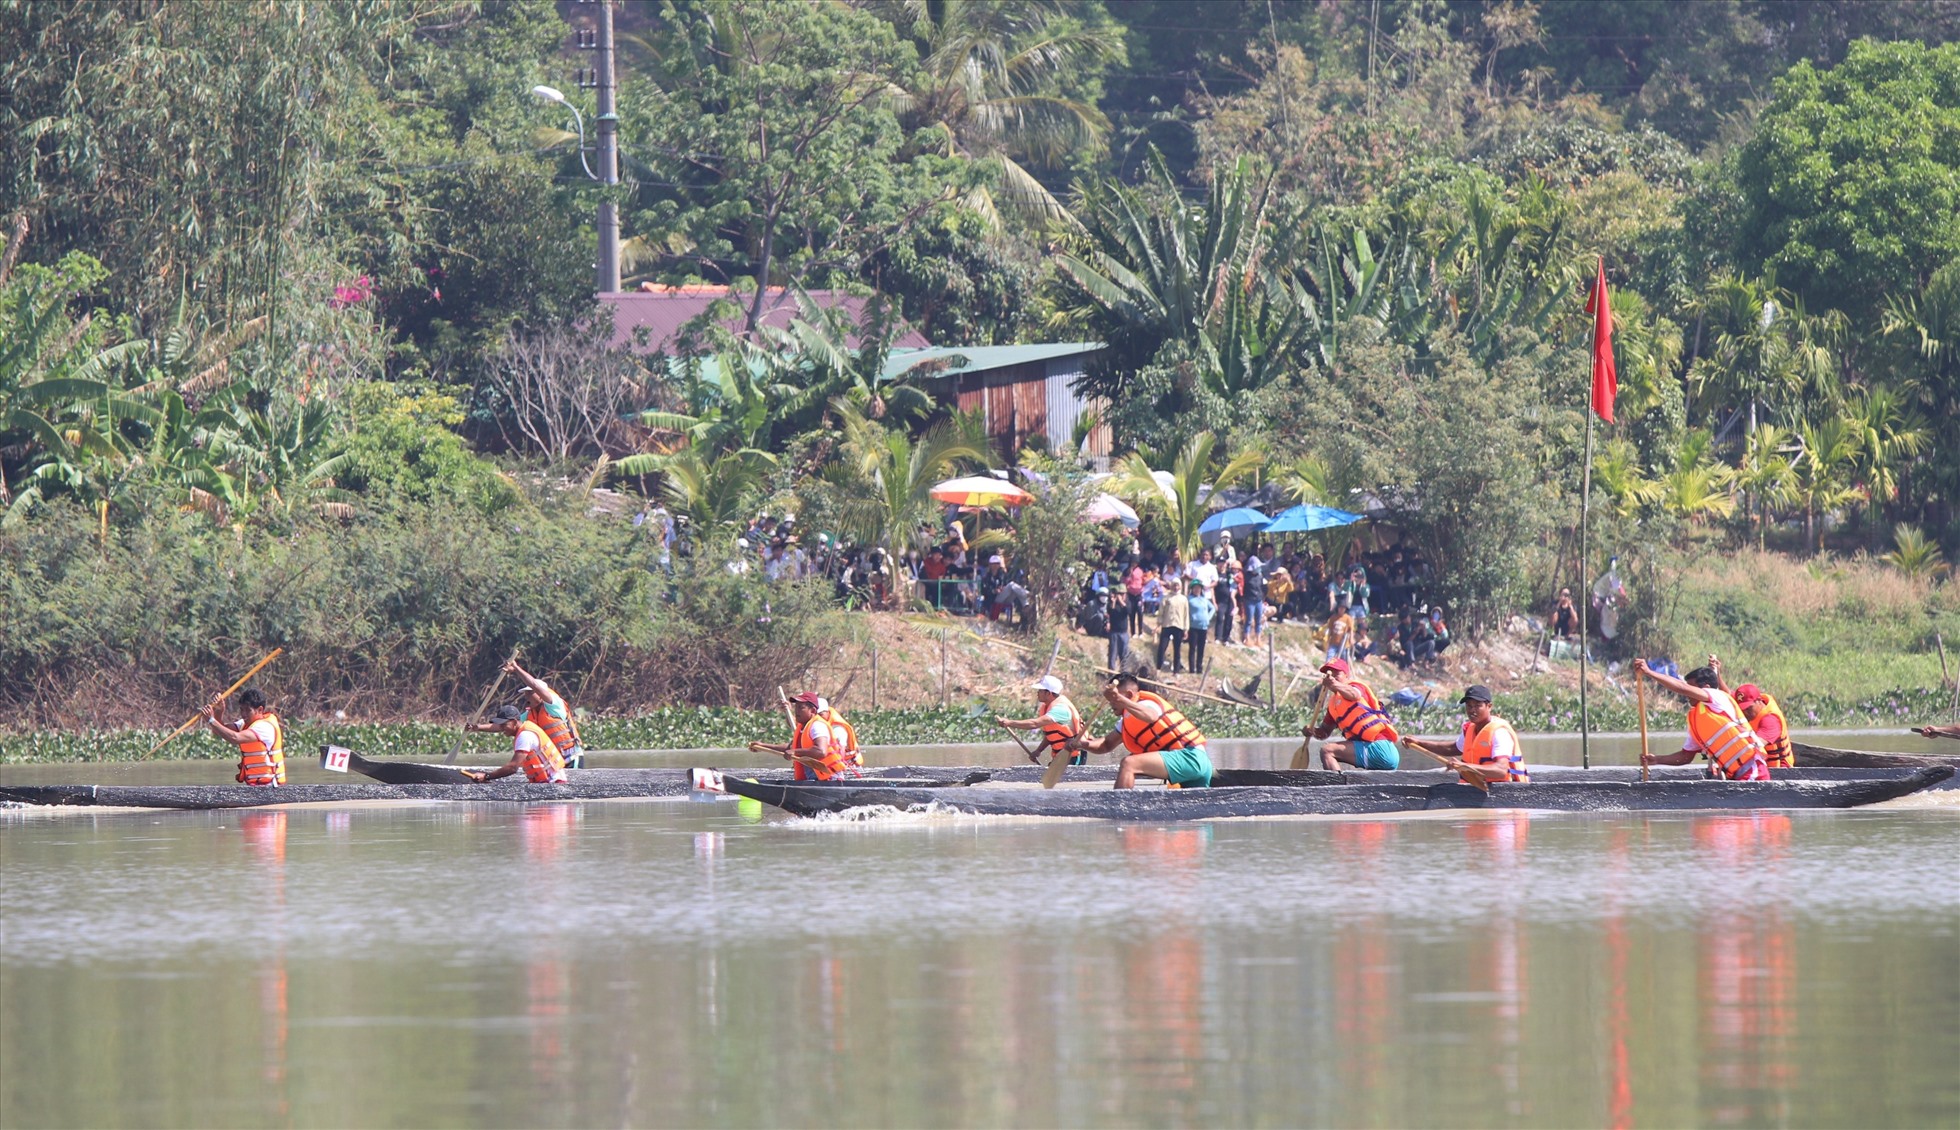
[759, 747]
[1479, 784]
[242, 679]
[1303, 757]
[480, 708]
[1640, 686]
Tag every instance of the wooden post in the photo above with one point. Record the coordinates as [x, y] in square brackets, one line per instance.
[1941, 641]
[942, 668]
[874, 676]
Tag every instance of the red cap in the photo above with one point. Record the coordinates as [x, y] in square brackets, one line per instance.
[1748, 693]
[1340, 665]
[807, 698]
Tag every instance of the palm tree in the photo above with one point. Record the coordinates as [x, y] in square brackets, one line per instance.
[891, 474]
[1767, 349]
[1917, 556]
[1765, 475]
[1888, 433]
[714, 491]
[1616, 472]
[993, 76]
[1178, 493]
[1827, 457]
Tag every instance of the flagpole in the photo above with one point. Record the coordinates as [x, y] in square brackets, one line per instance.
[1585, 598]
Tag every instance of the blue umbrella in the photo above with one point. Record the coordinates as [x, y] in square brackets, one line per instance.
[1241, 520]
[1306, 519]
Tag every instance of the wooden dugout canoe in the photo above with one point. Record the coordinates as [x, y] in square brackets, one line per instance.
[1387, 793]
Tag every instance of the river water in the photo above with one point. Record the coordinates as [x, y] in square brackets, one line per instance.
[675, 962]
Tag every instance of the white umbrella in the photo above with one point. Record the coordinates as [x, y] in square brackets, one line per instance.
[980, 490]
[1109, 508]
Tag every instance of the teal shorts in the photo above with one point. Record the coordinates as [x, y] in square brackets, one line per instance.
[1377, 755]
[1188, 768]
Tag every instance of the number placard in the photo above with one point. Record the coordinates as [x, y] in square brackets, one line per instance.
[334, 758]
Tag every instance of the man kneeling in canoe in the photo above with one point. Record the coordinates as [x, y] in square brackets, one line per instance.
[1161, 742]
[1368, 734]
[260, 738]
[1056, 719]
[532, 750]
[1717, 728]
[816, 750]
[1486, 752]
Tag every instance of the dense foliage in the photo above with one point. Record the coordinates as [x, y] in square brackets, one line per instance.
[307, 286]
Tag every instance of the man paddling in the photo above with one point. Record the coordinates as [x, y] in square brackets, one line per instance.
[1765, 716]
[260, 738]
[813, 749]
[1369, 733]
[532, 750]
[1938, 731]
[1486, 752]
[1716, 727]
[1056, 718]
[1161, 742]
[547, 710]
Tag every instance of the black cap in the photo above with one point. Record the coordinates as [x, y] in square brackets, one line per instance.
[1475, 692]
[507, 713]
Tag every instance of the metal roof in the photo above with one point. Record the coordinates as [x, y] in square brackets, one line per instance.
[980, 358]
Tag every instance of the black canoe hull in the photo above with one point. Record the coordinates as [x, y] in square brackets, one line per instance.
[1155, 804]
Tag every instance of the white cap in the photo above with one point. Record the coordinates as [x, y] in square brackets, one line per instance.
[741, 543]
[1048, 683]
[823, 704]
[996, 559]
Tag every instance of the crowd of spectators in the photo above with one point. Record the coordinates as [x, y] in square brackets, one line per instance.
[1369, 604]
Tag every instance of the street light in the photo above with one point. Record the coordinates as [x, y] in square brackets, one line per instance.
[608, 147]
[553, 94]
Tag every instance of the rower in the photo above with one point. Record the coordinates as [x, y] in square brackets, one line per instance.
[547, 710]
[1487, 751]
[814, 749]
[1938, 731]
[532, 750]
[1716, 728]
[260, 737]
[1162, 742]
[843, 733]
[1056, 718]
[1765, 717]
[1370, 734]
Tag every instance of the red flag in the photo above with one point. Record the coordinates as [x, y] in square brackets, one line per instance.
[1605, 379]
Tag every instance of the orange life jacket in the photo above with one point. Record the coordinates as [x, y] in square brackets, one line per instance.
[1778, 753]
[1171, 730]
[1478, 747]
[1362, 721]
[1056, 734]
[542, 765]
[831, 763]
[1729, 743]
[844, 736]
[259, 765]
[561, 731]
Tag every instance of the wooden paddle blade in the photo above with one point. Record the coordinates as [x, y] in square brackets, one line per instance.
[1056, 767]
[1302, 757]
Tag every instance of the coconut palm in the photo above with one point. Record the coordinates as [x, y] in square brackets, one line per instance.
[1825, 462]
[890, 474]
[1916, 555]
[1888, 433]
[1766, 349]
[1177, 493]
[993, 75]
[1765, 475]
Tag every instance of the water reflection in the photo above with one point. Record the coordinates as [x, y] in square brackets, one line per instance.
[1746, 978]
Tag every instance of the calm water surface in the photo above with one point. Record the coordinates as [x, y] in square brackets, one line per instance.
[673, 963]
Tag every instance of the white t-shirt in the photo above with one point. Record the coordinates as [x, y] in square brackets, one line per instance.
[817, 733]
[267, 733]
[1204, 572]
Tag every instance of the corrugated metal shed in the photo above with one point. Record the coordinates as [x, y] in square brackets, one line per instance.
[1024, 390]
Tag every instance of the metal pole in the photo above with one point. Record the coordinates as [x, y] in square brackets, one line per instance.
[1585, 603]
[608, 154]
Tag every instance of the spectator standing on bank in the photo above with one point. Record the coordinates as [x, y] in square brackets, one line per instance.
[1173, 624]
[1252, 581]
[1120, 610]
[1133, 584]
[1203, 609]
[1227, 595]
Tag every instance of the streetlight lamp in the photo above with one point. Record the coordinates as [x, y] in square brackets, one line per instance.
[608, 148]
